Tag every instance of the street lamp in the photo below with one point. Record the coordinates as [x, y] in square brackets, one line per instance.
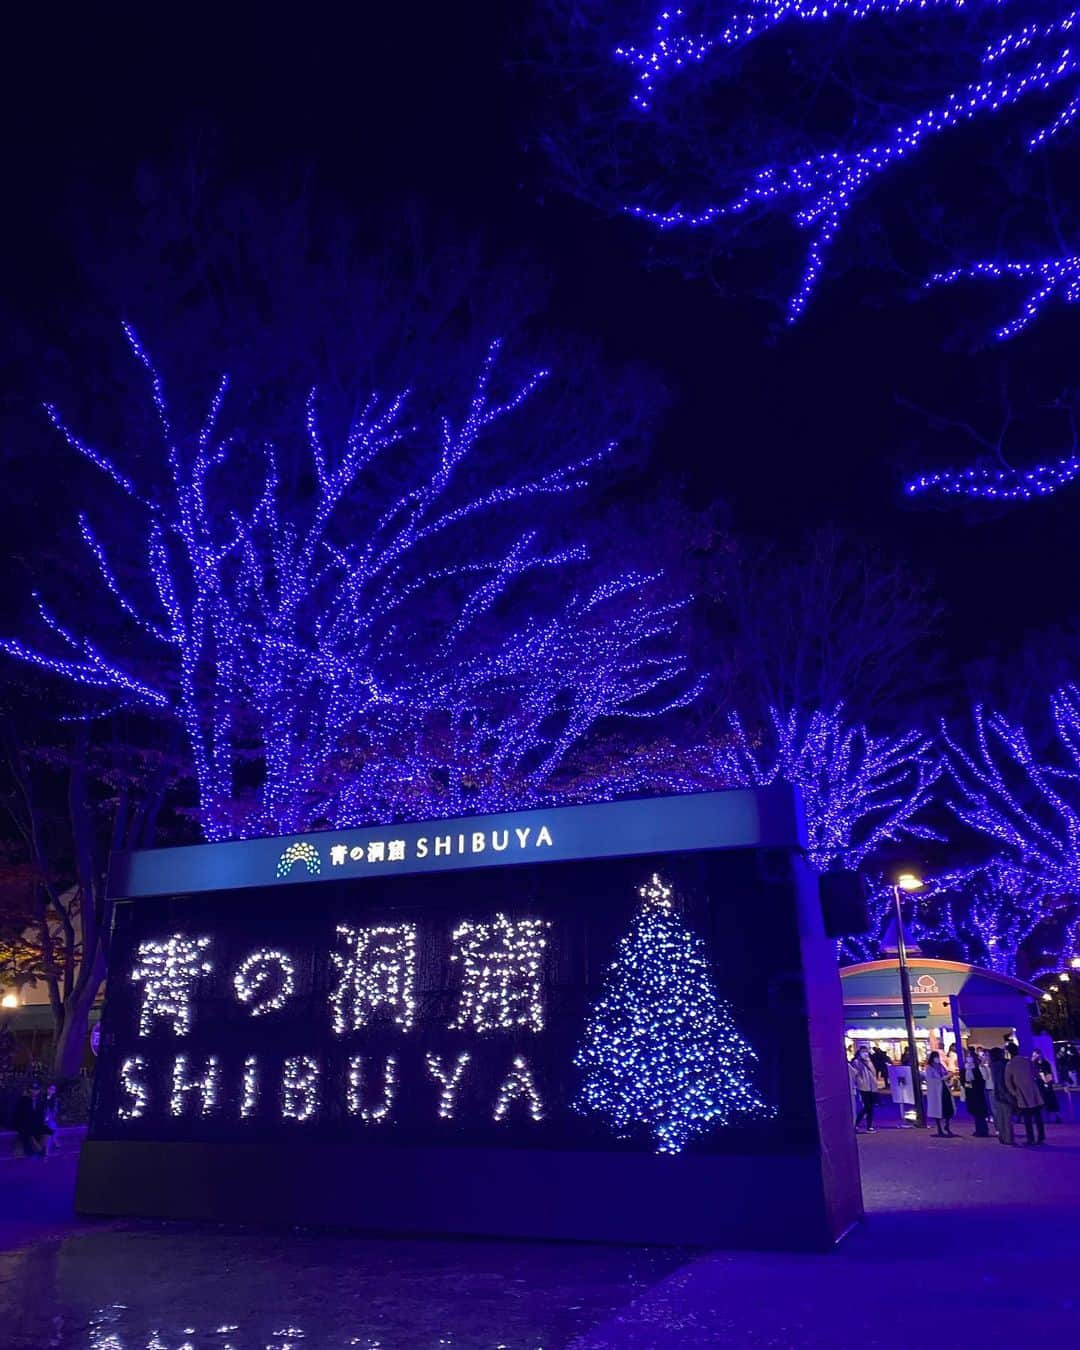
[1075, 963]
[908, 882]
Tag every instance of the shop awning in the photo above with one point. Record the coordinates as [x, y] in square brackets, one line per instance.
[867, 1013]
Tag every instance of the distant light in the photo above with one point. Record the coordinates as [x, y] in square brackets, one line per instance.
[1075, 963]
[9, 1001]
[1047, 999]
[908, 881]
[1064, 977]
[1056, 988]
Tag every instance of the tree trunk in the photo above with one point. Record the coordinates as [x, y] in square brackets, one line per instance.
[71, 1043]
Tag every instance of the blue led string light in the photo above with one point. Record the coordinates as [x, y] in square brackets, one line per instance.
[1053, 278]
[820, 190]
[660, 1052]
[375, 679]
[1004, 485]
[1027, 804]
[859, 790]
[674, 48]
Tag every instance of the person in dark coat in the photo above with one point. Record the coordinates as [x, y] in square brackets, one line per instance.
[1044, 1076]
[975, 1096]
[1021, 1082]
[29, 1121]
[1001, 1099]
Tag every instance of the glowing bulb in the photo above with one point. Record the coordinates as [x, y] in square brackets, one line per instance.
[9, 1001]
[908, 881]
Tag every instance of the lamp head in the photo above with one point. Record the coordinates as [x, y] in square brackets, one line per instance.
[908, 881]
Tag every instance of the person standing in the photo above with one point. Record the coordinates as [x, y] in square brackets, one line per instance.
[1020, 1080]
[865, 1076]
[881, 1064]
[975, 1092]
[30, 1123]
[52, 1114]
[1001, 1098]
[939, 1102]
[1044, 1077]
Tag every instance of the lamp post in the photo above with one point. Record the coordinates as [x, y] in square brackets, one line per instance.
[907, 881]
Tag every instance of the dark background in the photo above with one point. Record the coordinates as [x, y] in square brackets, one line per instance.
[739, 901]
[788, 428]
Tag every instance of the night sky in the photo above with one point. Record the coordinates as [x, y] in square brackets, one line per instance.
[791, 429]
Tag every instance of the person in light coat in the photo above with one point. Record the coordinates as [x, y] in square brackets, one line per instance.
[939, 1102]
[1021, 1082]
[865, 1078]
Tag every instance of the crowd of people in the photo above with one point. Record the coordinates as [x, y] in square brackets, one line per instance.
[1001, 1087]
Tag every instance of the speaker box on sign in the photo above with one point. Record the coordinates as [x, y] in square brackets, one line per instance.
[843, 903]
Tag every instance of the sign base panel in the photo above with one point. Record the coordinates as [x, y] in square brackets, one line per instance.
[766, 1202]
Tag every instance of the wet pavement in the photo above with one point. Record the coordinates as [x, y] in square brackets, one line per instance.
[967, 1242]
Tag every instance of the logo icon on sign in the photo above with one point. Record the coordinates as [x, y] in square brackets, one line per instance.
[299, 852]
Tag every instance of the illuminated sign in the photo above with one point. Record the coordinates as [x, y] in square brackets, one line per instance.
[739, 819]
[486, 1025]
[452, 1025]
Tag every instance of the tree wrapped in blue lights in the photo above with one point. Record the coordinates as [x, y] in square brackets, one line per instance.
[859, 790]
[1025, 803]
[833, 98]
[368, 637]
[660, 1051]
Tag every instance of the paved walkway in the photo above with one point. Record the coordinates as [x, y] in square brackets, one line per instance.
[967, 1243]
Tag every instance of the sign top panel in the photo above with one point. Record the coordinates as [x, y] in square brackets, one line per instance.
[742, 818]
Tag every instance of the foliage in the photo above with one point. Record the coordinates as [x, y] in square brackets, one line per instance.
[830, 621]
[69, 801]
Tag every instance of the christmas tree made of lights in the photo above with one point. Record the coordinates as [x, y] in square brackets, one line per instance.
[660, 1048]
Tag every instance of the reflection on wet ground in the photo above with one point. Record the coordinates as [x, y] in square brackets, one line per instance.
[992, 1234]
[172, 1288]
